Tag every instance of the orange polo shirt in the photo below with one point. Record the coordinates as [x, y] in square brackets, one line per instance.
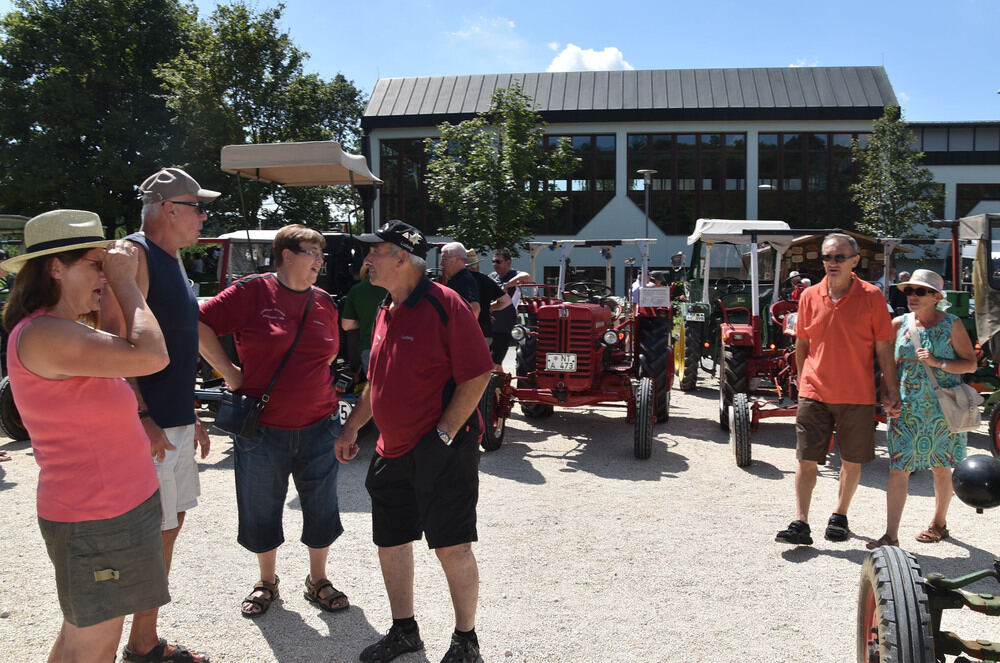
[842, 336]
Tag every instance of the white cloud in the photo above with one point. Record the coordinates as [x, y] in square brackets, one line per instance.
[553, 46]
[902, 96]
[574, 58]
[488, 39]
[488, 28]
[803, 62]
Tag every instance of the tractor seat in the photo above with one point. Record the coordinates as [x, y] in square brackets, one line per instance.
[780, 309]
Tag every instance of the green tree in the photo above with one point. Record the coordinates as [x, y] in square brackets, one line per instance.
[894, 191]
[81, 122]
[244, 83]
[490, 174]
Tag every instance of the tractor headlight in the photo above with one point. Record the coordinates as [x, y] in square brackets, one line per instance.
[609, 337]
[518, 333]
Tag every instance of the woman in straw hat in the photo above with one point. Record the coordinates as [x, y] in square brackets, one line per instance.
[98, 507]
[919, 437]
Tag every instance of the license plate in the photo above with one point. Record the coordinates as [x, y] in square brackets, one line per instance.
[695, 317]
[562, 362]
[344, 411]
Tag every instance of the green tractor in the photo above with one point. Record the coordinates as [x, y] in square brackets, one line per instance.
[715, 289]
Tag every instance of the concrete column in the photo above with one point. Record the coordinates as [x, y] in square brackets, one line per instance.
[753, 171]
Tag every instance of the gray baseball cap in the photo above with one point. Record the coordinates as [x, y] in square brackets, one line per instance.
[172, 182]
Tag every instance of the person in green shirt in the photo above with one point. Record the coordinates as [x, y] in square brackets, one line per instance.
[359, 310]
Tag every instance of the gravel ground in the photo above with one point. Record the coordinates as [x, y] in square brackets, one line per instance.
[586, 554]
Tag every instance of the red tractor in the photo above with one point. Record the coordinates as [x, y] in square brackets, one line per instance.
[579, 345]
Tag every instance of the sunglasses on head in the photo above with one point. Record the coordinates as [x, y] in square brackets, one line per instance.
[919, 292]
[840, 257]
[202, 207]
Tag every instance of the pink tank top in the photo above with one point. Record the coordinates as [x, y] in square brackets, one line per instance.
[88, 441]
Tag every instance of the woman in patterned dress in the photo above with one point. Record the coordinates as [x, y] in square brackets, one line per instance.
[919, 438]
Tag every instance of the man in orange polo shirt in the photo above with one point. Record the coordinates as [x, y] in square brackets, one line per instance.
[840, 323]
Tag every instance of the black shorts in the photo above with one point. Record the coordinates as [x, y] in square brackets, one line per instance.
[431, 490]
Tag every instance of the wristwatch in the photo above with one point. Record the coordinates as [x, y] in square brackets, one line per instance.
[444, 437]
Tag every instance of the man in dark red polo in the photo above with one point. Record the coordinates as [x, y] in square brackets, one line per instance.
[425, 380]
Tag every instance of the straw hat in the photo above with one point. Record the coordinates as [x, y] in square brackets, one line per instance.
[925, 278]
[57, 231]
[472, 258]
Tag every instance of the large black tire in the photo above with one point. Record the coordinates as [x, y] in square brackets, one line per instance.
[733, 379]
[692, 355]
[739, 430]
[644, 403]
[494, 427]
[526, 354]
[654, 361]
[894, 620]
[10, 419]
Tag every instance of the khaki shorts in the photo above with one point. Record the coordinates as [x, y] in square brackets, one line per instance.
[178, 475]
[815, 423]
[108, 568]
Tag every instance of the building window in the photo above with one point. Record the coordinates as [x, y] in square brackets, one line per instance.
[588, 189]
[805, 178]
[698, 175]
[969, 195]
[403, 166]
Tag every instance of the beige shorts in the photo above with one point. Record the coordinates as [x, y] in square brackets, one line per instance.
[178, 475]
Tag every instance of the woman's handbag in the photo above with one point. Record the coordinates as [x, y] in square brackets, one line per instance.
[238, 414]
[960, 404]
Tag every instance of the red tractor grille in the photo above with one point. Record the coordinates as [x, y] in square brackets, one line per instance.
[567, 335]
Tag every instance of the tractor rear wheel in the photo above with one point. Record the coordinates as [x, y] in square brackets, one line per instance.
[644, 403]
[894, 620]
[526, 354]
[691, 333]
[654, 361]
[10, 419]
[494, 426]
[732, 379]
[739, 430]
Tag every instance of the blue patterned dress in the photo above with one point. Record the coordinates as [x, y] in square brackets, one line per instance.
[919, 438]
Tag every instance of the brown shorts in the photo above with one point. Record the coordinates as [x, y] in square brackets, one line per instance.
[816, 421]
[108, 568]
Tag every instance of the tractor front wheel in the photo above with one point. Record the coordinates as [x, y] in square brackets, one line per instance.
[894, 620]
[494, 426]
[654, 360]
[10, 419]
[739, 430]
[733, 379]
[644, 403]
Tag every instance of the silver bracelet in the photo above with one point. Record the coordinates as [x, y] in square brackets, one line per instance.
[944, 365]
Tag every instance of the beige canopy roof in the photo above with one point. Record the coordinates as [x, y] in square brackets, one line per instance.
[297, 164]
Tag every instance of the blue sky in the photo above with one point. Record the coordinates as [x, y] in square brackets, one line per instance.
[937, 54]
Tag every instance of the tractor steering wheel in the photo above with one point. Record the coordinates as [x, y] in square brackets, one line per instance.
[729, 286]
[589, 290]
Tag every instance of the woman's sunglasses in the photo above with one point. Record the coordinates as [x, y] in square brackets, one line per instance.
[919, 292]
[840, 257]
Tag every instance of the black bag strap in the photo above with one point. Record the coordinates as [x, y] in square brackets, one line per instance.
[284, 360]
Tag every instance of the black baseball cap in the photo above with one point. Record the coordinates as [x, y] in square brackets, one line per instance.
[402, 235]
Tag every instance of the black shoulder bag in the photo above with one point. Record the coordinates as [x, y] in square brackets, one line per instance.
[238, 414]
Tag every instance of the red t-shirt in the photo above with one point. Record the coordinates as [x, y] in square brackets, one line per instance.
[842, 337]
[416, 351]
[263, 316]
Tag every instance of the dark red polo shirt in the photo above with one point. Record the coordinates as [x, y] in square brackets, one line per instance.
[416, 351]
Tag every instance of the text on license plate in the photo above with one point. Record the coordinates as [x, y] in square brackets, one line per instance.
[564, 362]
[695, 317]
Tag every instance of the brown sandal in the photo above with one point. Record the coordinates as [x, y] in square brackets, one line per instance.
[933, 534]
[262, 602]
[883, 540]
[330, 603]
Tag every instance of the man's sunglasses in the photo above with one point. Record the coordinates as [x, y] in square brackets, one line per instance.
[202, 207]
[840, 257]
[919, 292]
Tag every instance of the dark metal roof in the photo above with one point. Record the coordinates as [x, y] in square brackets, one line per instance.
[653, 95]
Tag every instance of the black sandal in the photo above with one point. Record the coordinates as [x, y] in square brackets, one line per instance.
[156, 655]
[313, 595]
[262, 602]
[393, 644]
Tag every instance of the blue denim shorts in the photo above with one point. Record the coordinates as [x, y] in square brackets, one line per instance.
[263, 465]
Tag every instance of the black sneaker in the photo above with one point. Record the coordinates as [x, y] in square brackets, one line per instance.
[394, 643]
[836, 528]
[797, 534]
[462, 651]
